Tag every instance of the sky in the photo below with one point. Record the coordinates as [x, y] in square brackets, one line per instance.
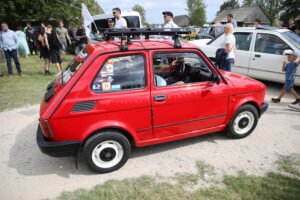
[154, 8]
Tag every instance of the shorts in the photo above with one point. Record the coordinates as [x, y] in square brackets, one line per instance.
[289, 84]
[63, 45]
[55, 57]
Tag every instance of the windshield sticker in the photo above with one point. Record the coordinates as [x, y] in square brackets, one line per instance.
[110, 79]
[110, 68]
[113, 60]
[106, 73]
[97, 87]
[116, 87]
[106, 86]
[99, 80]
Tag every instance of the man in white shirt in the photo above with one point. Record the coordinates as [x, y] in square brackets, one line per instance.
[120, 22]
[169, 23]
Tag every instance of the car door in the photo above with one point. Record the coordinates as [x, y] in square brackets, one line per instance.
[184, 106]
[267, 57]
[242, 58]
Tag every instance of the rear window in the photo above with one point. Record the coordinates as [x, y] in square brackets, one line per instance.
[74, 66]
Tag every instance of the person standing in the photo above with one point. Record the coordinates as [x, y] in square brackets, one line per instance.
[63, 36]
[292, 25]
[54, 48]
[31, 40]
[228, 45]
[23, 47]
[231, 20]
[169, 23]
[81, 36]
[45, 54]
[120, 22]
[9, 42]
[257, 22]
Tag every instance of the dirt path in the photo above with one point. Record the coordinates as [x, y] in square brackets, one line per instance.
[26, 173]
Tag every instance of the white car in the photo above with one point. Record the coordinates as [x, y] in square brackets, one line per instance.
[259, 51]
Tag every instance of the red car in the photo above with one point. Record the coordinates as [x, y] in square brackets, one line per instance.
[115, 95]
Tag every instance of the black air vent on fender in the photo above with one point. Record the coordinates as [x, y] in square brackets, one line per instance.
[83, 106]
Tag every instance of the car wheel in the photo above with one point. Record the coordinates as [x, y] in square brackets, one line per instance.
[106, 151]
[243, 122]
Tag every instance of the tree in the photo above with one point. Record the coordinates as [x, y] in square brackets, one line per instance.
[289, 8]
[196, 12]
[248, 3]
[271, 8]
[227, 5]
[18, 12]
[140, 9]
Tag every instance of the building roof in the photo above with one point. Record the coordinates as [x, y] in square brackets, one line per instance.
[244, 14]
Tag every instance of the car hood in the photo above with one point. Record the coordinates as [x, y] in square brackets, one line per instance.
[200, 42]
[242, 84]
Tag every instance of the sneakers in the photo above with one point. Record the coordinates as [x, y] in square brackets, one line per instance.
[294, 106]
[297, 101]
[275, 100]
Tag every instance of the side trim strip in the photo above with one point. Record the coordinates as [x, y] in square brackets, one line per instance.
[247, 93]
[181, 122]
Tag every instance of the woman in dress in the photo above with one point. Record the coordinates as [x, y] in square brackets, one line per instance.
[23, 47]
[45, 54]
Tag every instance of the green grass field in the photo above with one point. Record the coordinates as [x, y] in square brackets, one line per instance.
[283, 184]
[27, 90]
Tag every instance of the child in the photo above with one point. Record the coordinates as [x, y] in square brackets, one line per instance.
[290, 70]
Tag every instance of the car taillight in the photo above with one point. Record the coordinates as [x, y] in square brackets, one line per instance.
[46, 128]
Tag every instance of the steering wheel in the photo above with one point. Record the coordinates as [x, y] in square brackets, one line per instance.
[178, 73]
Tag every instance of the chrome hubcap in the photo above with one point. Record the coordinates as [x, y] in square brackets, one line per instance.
[107, 154]
[243, 122]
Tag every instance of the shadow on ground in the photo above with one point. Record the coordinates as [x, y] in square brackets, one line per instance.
[26, 158]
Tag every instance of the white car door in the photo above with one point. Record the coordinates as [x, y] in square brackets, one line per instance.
[242, 58]
[267, 57]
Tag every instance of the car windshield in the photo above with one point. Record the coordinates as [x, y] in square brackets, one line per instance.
[292, 38]
[73, 66]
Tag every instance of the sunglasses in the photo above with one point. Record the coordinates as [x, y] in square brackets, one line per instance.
[114, 12]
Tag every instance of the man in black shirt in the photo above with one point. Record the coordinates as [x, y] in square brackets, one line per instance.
[81, 35]
[31, 39]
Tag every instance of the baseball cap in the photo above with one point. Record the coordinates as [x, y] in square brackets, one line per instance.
[169, 13]
[290, 52]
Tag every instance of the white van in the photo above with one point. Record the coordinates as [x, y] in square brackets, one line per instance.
[259, 51]
[132, 18]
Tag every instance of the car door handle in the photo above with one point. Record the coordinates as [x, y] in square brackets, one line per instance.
[160, 98]
[257, 56]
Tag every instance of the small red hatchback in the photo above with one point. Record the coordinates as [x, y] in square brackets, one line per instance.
[117, 94]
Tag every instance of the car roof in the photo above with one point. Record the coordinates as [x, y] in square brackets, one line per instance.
[270, 29]
[111, 46]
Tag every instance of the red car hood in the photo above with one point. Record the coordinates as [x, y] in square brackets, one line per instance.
[242, 84]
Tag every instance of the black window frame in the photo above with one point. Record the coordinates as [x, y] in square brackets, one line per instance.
[185, 84]
[125, 90]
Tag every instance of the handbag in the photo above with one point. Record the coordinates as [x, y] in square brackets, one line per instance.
[221, 56]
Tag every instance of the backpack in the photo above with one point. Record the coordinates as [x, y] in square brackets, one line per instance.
[221, 57]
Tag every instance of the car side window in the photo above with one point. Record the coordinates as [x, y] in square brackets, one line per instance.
[268, 43]
[179, 68]
[121, 73]
[243, 40]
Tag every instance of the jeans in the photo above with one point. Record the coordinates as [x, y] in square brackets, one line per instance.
[12, 54]
[227, 65]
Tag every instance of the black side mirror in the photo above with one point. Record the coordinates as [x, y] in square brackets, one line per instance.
[216, 78]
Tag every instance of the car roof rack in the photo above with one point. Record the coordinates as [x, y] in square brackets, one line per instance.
[126, 34]
[266, 28]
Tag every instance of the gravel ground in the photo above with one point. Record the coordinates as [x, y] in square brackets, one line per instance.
[26, 173]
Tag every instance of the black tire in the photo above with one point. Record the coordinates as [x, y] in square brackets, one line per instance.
[238, 123]
[103, 137]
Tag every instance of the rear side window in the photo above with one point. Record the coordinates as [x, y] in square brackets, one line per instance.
[268, 43]
[243, 40]
[121, 73]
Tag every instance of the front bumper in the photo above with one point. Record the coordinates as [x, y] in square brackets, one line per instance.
[57, 149]
[263, 108]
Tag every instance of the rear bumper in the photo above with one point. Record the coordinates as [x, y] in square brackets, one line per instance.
[57, 149]
[263, 108]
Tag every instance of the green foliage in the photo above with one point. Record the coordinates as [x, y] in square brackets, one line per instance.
[272, 8]
[18, 12]
[140, 9]
[196, 11]
[289, 8]
[248, 3]
[227, 5]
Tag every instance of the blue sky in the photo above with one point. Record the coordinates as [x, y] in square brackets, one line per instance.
[155, 7]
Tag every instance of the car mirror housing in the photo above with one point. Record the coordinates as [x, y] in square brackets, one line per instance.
[216, 78]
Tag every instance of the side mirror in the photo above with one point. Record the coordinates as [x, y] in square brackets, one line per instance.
[216, 78]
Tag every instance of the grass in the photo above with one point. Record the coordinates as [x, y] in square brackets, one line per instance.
[274, 185]
[29, 89]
